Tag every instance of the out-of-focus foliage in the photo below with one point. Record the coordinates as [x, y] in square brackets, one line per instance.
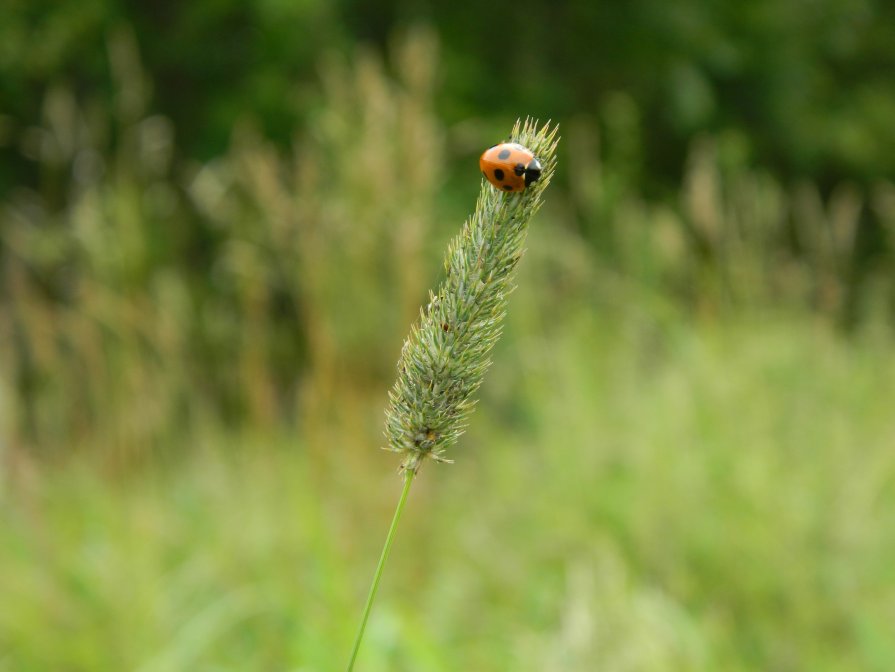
[143, 294]
[635, 494]
[238, 283]
[682, 458]
[807, 82]
[209, 61]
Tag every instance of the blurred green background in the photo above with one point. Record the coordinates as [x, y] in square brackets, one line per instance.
[217, 222]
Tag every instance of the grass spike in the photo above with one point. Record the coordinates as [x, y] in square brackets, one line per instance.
[449, 348]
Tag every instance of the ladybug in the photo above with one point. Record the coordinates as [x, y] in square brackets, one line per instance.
[510, 166]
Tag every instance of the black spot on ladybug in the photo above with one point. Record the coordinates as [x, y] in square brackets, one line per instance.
[498, 173]
[519, 169]
[508, 187]
[504, 154]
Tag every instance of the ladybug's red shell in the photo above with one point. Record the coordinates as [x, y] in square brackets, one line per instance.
[510, 166]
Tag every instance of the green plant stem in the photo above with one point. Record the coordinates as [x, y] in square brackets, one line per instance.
[408, 479]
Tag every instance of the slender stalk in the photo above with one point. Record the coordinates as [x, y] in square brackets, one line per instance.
[408, 479]
[449, 348]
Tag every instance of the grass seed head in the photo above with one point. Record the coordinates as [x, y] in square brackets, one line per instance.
[449, 348]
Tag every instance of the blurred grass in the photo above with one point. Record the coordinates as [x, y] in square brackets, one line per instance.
[718, 499]
[682, 458]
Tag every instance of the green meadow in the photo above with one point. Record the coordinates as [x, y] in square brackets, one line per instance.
[682, 457]
[631, 496]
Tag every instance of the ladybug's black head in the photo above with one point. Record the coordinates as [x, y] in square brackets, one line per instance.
[532, 172]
